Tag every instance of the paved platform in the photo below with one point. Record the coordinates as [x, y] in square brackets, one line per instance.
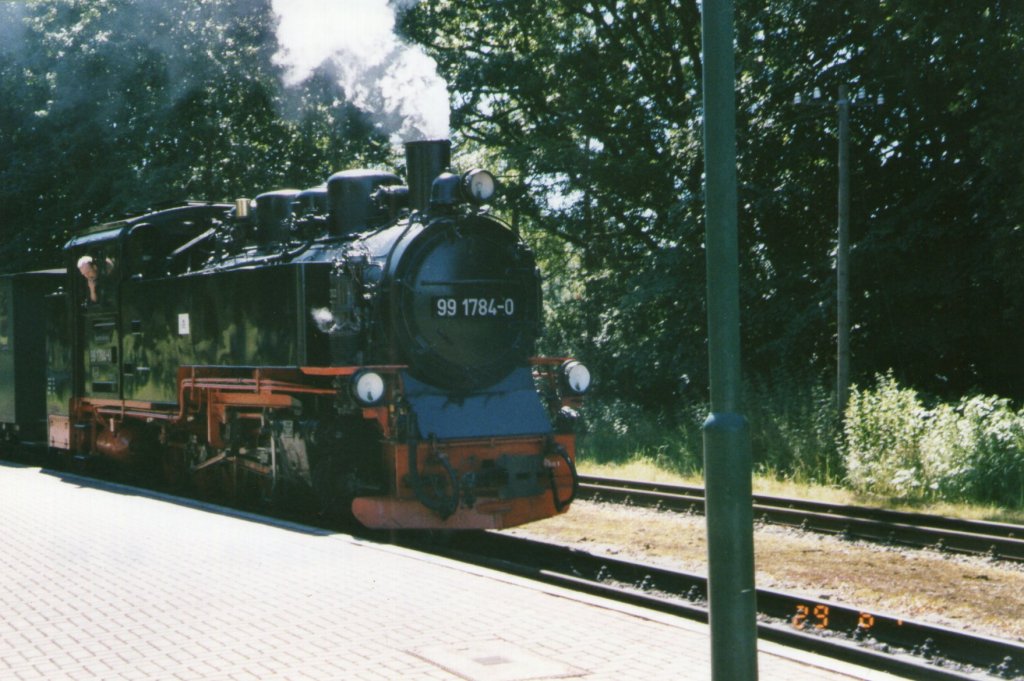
[100, 581]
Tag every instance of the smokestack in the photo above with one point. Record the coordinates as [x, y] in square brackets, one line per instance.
[424, 161]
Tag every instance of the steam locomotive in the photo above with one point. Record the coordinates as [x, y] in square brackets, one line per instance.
[364, 346]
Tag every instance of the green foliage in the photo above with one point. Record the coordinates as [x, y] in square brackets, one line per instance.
[969, 451]
[619, 432]
[974, 451]
[883, 429]
[795, 430]
[112, 106]
[595, 109]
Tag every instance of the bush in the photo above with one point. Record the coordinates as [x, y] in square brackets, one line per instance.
[977, 452]
[794, 432]
[883, 431]
[972, 451]
[794, 429]
[620, 432]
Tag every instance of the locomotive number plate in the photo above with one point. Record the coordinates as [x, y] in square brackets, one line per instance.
[474, 308]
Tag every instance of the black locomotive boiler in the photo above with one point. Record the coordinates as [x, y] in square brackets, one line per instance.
[365, 346]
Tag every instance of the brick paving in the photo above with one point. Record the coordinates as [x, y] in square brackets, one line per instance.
[100, 581]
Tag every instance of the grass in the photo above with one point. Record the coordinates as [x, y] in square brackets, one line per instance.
[649, 470]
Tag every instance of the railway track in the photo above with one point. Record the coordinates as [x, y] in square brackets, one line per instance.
[1002, 541]
[874, 640]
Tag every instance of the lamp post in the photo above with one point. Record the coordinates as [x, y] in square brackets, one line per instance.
[727, 459]
[843, 256]
[842, 103]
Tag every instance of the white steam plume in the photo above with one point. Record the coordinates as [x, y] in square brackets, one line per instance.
[394, 82]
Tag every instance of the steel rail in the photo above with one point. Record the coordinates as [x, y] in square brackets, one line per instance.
[874, 640]
[996, 540]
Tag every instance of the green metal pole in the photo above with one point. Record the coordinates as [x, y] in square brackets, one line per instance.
[727, 462]
[843, 257]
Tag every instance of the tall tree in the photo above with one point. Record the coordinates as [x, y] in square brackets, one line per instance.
[595, 107]
[111, 106]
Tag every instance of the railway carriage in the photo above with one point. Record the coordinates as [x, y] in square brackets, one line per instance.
[23, 359]
[364, 347]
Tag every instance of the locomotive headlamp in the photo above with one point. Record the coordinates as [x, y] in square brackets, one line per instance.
[576, 377]
[368, 387]
[479, 186]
